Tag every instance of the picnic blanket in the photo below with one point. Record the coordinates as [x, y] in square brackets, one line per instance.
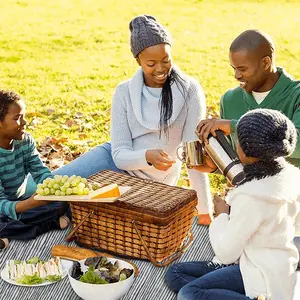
[149, 285]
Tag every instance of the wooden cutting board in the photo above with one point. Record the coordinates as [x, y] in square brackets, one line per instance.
[84, 198]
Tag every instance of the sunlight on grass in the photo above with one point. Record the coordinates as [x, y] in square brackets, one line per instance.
[70, 54]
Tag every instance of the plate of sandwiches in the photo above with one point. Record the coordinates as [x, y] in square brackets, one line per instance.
[34, 271]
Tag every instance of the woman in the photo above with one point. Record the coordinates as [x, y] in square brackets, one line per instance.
[152, 114]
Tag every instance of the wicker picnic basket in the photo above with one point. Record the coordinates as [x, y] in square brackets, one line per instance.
[150, 221]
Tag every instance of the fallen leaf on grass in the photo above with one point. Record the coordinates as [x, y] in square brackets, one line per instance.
[52, 140]
[187, 182]
[50, 111]
[54, 153]
[82, 136]
[60, 140]
[32, 114]
[213, 112]
[78, 115]
[56, 160]
[34, 122]
[70, 123]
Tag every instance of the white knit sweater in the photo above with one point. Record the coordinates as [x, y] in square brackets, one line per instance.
[133, 132]
[259, 233]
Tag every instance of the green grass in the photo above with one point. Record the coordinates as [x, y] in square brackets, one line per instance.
[69, 55]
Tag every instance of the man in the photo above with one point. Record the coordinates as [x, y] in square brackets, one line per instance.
[262, 85]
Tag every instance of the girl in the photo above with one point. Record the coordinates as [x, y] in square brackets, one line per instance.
[264, 216]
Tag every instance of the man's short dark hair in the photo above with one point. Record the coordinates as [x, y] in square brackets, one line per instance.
[251, 40]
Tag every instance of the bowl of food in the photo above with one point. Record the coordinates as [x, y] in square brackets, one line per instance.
[109, 277]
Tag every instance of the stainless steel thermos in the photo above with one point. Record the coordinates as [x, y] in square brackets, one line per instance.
[225, 158]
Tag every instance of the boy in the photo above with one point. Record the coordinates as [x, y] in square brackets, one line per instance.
[22, 217]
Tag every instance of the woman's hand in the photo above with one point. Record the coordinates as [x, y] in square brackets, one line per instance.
[159, 159]
[205, 127]
[220, 206]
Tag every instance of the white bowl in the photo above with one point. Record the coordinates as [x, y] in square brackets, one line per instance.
[110, 291]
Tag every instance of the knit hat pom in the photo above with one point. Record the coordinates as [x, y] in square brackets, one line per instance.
[266, 134]
[146, 31]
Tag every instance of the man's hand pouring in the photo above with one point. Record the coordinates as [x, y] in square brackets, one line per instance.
[207, 126]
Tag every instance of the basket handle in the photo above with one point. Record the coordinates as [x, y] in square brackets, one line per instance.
[169, 259]
[70, 237]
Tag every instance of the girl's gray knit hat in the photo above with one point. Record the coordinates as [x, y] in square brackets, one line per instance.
[146, 32]
[266, 134]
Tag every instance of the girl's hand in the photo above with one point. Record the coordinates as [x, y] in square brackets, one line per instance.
[220, 206]
[159, 159]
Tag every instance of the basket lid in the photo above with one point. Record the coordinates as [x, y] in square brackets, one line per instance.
[146, 196]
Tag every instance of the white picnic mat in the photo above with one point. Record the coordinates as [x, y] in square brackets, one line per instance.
[149, 285]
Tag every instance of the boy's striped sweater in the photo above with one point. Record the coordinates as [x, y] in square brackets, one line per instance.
[15, 165]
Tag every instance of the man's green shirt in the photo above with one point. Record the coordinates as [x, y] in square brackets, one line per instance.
[284, 96]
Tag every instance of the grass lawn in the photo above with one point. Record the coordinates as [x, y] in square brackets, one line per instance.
[66, 56]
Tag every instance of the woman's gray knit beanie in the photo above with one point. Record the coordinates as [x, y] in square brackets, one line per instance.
[146, 32]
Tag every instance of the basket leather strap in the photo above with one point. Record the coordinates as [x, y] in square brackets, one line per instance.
[70, 236]
[169, 259]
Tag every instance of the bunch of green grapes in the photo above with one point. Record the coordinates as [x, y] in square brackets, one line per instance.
[63, 186]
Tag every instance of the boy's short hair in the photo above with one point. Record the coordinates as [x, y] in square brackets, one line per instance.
[7, 98]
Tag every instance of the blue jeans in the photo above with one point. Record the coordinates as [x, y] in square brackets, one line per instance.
[206, 280]
[96, 160]
[33, 222]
